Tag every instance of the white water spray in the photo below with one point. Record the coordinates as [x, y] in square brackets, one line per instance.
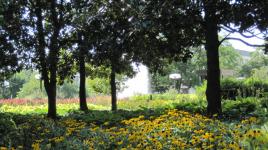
[139, 84]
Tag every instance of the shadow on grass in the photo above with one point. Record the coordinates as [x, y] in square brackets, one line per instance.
[100, 117]
[22, 128]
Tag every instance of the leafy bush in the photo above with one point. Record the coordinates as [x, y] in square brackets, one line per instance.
[264, 102]
[98, 86]
[233, 88]
[165, 96]
[8, 130]
[241, 107]
[195, 107]
[201, 91]
[260, 73]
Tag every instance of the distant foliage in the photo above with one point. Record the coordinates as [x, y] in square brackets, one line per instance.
[257, 61]
[68, 90]
[98, 86]
[15, 83]
[32, 89]
[260, 73]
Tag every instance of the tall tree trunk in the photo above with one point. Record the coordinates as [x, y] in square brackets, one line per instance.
[52, 110]
[82, 71]
[49, 84]
[49, 64]
[213, 68]
[113, 89]
[52, 91]
[53, 59]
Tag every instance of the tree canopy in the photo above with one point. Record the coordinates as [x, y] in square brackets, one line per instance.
[55, 35]
[10, 53]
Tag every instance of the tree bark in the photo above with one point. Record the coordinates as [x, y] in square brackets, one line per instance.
[213, 68]
[53, 61]
[113, 88]
[82, 71]
[49, 84]
[51, 92]
[48, 62]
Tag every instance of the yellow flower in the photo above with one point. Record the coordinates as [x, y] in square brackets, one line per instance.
[206, 135]
[106, 123]
[36, 146]
[39, 141]
[120, 143]
[59, 139]
[199, 131]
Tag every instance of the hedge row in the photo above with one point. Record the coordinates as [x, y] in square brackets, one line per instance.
[250, 87]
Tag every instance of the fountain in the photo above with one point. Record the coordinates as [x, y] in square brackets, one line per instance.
[139, 84]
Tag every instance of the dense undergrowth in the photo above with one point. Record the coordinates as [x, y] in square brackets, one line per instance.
[180, 123]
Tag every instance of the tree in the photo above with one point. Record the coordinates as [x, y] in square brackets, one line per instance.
[218, 16]
[212, 43]
[197, 22]
[162, 36]
[84, 24]
[31, 89]
[99, 86]
[112, 42]
[47, 64]
[229, 57]
[190, 72]
[42, 34]
[15, 83]
[260, 73]
[9, 53]
[257, 60]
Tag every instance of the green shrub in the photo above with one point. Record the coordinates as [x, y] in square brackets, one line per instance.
[250, 87]
[195, 107]
[201, 91]
[98, 86]
[8, 131]
[240, 107]
[264, 102]
[231, 88]
[165, 96]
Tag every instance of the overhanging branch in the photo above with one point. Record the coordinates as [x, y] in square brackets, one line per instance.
[220, 42]
[246, 34]
[246, 43]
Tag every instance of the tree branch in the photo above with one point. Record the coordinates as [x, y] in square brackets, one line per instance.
[246, 43]
[232, 30]
[221, 41]
[228, 29]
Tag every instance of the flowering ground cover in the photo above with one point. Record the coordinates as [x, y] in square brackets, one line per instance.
[156, 125]
[173, 129]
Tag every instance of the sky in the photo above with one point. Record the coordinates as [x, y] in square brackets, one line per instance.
[241, 46]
